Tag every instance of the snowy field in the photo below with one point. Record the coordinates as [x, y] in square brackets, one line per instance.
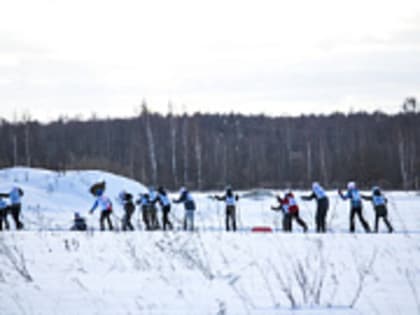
[47, 270]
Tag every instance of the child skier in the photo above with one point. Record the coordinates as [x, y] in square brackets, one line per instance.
[126, 199]
[189, 206]
[230, 199]
[165, 204]
[104, 203]
[322, 203]
[379, 205]
[353, 194]
[79, 223]
[286, 221]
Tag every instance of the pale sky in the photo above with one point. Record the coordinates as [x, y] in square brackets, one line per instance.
[273, 57]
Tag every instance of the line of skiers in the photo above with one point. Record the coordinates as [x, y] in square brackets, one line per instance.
[13, 207]
[288, 205]
[148, 205]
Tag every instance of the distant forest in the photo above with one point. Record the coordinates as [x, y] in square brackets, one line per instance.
[209, 151]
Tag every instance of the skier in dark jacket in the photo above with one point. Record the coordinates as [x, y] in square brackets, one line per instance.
[353, 194]
[286, 220]
[165, 204]
[322, 203]
[379, 203]
[144, 203]
[230, 199]
[189, 206]
[126, 199]
[79, 223]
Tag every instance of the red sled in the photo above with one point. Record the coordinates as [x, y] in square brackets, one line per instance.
[262, 229]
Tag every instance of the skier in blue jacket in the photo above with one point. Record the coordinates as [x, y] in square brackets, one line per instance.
[15, 207]
[105, 205]
[379, 203]
[353, 194]
[322, 202]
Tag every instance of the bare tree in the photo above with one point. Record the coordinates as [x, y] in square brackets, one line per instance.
[150, 142]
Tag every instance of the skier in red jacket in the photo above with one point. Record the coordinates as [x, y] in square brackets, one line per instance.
[289, 205]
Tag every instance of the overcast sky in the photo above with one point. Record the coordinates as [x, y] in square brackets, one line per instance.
[272, 57]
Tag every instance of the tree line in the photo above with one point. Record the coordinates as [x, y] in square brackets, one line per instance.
[209, 151]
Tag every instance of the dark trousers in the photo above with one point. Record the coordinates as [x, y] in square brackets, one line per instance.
[154, 219]
[298, 219]
[321, 215]
[381, 212]
[358, 211]
[165, 217]
[3, 218]
[230, 218]
[14, 210]
[126, 220]
[287, 222]
[145, 216]
[105, 216]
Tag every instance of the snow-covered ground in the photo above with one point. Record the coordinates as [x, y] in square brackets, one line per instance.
[47, 270]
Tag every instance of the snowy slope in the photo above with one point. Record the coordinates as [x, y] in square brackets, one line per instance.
[51, 198]
[45, 270]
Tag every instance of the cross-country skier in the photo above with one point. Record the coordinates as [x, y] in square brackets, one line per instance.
[14, 207]
[322, 203]
[165, 204]
[79, 223]
[189, 206]
[104, 203]
[286, 221]
[144, 203]
[379, 203]
[291, 207]
[353, 194]
[230, 199]
[126, 199]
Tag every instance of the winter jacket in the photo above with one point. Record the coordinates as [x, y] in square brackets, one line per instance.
[187, 199]
[229, 198]
[377, 200]
[318, 193]
[103, 202]
[164, 199]
[3, 204]
[15, 196]
[354, 196]
[289, 203]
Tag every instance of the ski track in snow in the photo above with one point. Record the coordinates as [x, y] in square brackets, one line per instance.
[48, 270]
